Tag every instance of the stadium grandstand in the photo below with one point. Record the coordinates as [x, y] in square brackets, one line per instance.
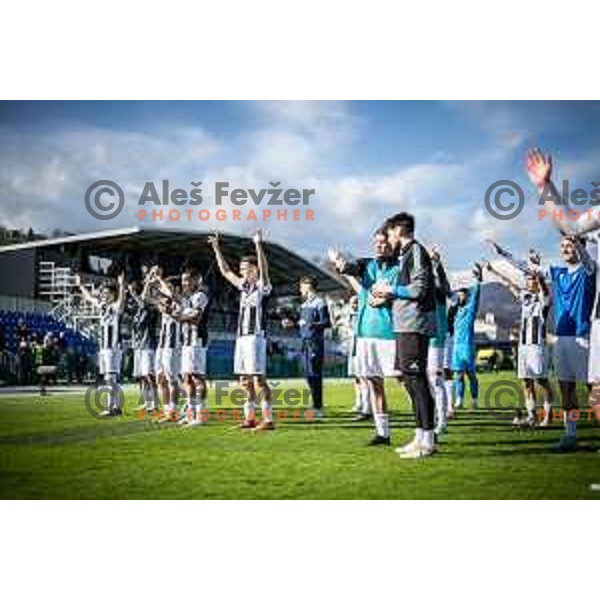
[42, 312]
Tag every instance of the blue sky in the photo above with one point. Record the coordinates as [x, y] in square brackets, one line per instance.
[366, 161]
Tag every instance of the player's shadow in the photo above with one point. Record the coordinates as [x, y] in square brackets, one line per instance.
[546, 448]
[79, 434]
[540, 444]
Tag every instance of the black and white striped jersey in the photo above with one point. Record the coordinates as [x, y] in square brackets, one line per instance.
[252, 318]
[170, 332]
[145, 320]
[534, 314]
[195, 334]
[110, 326]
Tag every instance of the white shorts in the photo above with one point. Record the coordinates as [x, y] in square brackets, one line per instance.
[109, 361]
[435, 359]
[570, 358]
[136, 362]
[158, 360]
[533, 361]
[594, 362]
[143, 362]
[375, 357]
[448, 348]
[250, 355]
[352, 366]
[167, 362]
[193, 360]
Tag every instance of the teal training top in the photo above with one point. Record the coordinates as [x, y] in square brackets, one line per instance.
[376, 321]
[441, 326]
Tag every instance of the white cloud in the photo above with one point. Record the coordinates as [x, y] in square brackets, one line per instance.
[507, 126]
[43, 178]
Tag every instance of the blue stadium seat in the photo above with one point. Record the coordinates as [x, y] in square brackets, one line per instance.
[38, 325]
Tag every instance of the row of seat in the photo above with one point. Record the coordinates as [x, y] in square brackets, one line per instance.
[37, 326]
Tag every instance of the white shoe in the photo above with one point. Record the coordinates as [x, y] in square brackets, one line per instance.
[524, 422]
[408, 448]
[317, 414]
[474, 405]
[458, 404]
[419, 452]
[545, 422]
[194, 422]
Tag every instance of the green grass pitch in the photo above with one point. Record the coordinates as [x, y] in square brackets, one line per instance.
[53, 448]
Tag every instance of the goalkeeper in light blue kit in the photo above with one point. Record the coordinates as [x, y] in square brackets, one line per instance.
[463, 354]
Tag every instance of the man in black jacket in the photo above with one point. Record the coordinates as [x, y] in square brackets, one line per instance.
[413, 297]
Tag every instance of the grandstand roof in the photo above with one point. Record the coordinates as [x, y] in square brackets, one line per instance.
[285, 267]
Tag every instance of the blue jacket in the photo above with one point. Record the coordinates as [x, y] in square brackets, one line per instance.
[314, 318]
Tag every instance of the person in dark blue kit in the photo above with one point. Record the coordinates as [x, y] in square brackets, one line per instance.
[314, 320]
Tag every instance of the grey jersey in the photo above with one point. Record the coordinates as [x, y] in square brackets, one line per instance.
[414, 292]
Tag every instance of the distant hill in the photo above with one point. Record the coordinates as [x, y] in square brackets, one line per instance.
[17, 236]
[496, 298]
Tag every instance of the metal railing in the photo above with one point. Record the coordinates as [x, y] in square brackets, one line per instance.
[68, 305]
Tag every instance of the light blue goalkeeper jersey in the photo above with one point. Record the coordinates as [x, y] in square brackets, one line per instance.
[464, 321]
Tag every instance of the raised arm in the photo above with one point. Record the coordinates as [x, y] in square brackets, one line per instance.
[263, 265]
[85, 292]
[539, 169]
[145, 296]
[122, 292]
[475, 291]
[589, 264]
[442, 285]
[222, 264]
[517, 263]
[354, 283]
[511, 283]
[336, 259]
[163, 287]
[544, 289]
